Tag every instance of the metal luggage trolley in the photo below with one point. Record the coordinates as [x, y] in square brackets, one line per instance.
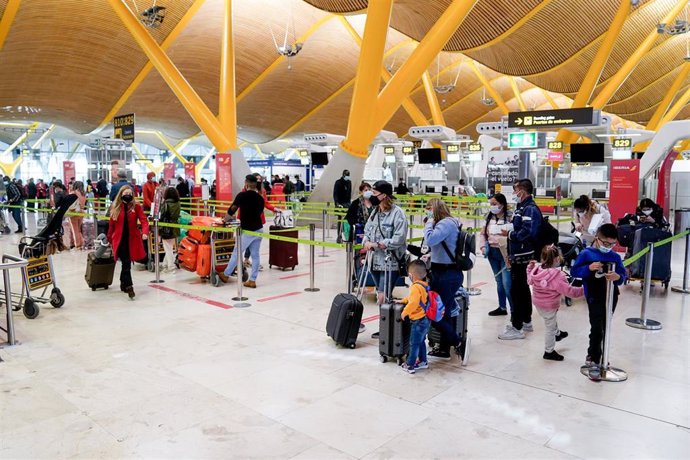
[222, 246]
[150, 265]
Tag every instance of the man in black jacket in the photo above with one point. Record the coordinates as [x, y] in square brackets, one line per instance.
[342, 196]
[14, 199]
[31, 194]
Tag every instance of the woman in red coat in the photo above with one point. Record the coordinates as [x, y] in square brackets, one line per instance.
[124, 235]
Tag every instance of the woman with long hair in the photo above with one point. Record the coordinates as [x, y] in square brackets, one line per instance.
[495, 248]
[589, 216]
[79, 206]
[441, 235]
[170, 213]
[124, 235]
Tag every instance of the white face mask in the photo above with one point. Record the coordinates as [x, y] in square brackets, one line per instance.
[430, 214]
[581, 214]
[367, 194]
[516, 199]
[495, 209]
[347, 178]
[647, 212]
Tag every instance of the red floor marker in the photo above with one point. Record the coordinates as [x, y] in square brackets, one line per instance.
[481, 283]
[370, 319]
[186, 295]
[287, 294]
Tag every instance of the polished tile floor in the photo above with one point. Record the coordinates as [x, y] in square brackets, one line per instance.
[174, 374]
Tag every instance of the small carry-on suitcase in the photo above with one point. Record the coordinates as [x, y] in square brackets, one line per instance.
[346, 316]
[203, 261]
[394, 332]
[99, 272]
[187, 253]
[282, 254]
[661, 265]
[460, 324]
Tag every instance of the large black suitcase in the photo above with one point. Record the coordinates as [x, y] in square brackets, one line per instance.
[394, 333]
[344, 319]
[661, 265]
[460, 324]
[99, 272]
[282, 254]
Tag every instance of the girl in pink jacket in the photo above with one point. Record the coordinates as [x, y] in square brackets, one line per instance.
[549, 284]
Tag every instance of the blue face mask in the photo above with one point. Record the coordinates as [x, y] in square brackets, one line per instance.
[604, 250]
[430, 214]
[347, 178]
[367, 194]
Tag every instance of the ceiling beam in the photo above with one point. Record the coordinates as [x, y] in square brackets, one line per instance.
[492, 92]
[8, 19]
[665, 103]
[516, 93]
[432, 100]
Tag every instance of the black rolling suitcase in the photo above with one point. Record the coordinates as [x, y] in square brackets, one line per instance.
[460, 324]
[661, 265]
[394, 333]
[346, 316]
[99, 272]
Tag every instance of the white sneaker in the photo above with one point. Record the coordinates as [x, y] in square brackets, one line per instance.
[510, 333]
[247, 263]
[527, 327]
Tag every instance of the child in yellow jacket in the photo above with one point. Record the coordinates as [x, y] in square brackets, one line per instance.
[414, 310]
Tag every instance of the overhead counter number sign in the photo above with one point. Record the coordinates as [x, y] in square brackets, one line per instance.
[452, 148]
[407, 149]
[124, 127]
[562, 118]
[389, 150]
[475, 147]
[555, 145]
[622, 143]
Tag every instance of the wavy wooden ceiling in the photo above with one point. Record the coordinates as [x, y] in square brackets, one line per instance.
[72, 59]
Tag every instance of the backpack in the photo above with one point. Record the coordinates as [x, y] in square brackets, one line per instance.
[547, 236]
[433, 307]
[465, 249]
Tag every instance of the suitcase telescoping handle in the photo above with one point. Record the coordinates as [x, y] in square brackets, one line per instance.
[363, 275]
[387, 275]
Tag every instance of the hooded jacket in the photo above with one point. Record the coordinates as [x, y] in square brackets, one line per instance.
[548, 285]
[527, 219]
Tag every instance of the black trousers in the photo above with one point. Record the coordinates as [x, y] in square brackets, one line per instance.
[597, 324]
[521, 295]
[126, 261]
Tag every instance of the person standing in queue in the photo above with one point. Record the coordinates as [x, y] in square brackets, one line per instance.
[441, 235]
[31, 194]
[124, 235]
[149, 191]
[121, 182]
[495, 249]
[385, 232]
[522, 241]
[182, 188]
[251, 204]
[14, 199]
[342, 195]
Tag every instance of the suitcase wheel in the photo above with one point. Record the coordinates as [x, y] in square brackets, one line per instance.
[384, 359]
[352, 346]
[93, 288]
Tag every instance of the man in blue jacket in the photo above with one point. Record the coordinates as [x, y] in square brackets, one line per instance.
[522, 242]
[122, 180]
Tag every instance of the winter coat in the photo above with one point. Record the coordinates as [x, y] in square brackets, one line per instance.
[548, 285]
[136, 243]
[170, 213]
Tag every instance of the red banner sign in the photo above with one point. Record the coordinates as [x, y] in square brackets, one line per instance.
[190, 171]
[168, 171]
[624, 188]
[69, 171]
[224, 177]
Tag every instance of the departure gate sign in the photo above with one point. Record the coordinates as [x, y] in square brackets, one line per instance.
[124, 127]
[563, 118]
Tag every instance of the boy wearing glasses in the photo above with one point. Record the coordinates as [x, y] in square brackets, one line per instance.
[591, 266]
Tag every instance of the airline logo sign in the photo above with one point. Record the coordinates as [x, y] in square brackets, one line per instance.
[563, 118]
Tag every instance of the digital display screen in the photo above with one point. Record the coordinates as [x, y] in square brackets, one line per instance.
[475, 147]
[389, 150]
[555, 145]
[586, 153]
[452, 148]
[407, 149]
[429, 156]
[319, 158]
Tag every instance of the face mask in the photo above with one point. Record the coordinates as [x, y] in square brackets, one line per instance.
[430, 214]
[374, 200]
[516, 198]
[495, 209]
[581, 214]
[604, 250]
[368, 194]
[647, 212]
[347, 178]
[127, 198]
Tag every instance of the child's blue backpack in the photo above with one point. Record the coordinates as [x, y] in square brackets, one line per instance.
[433, 307]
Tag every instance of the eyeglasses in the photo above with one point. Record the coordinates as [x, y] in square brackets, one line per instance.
[607, 244]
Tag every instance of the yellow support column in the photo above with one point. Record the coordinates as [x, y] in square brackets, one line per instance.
[436, 113]
[189, 99]
[368, 77]
[227, 106]
[489, 89]
[677, 106]
[668, 98]
[516, 93]
[411, 71]
[7, 19]
[200, 165]
[626, 69]
[170, 147]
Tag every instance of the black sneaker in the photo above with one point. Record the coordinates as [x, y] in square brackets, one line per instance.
[553, 356]
[439, 354]
[561, 335]
[498, 312]
[375, 335]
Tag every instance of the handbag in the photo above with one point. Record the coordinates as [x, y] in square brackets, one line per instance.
[284, 219]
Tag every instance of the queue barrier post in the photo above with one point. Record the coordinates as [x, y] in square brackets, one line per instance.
[685, 289]
[558, 216]
[156, 254]
[240, 271]
[327, 220]
[642, 322]
[312, 250]
[411, 224]
[15, 262]
[608, 373]
[323, 232]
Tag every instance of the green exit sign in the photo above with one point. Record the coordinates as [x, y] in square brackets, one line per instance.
[523, 140]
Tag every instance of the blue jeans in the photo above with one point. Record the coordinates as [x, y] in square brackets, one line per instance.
[253, 244]
[503, 282]
[418, 333]
[379, 277]
[446, 283]
[17, 216]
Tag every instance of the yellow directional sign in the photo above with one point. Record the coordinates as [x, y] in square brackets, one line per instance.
[561, 118]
